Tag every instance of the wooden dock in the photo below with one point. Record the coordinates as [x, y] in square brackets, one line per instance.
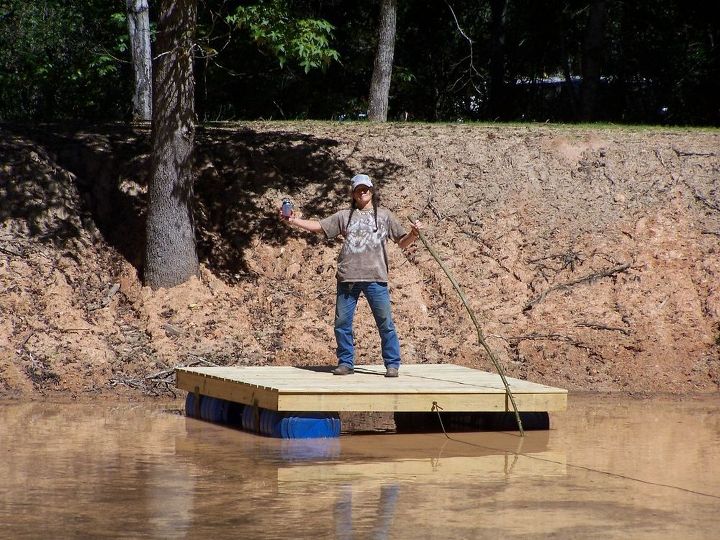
[314, 389]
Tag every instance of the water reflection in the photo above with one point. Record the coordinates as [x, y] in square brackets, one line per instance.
[606, 469]
[354, 484]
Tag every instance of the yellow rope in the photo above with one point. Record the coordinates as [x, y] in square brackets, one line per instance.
[480, 335]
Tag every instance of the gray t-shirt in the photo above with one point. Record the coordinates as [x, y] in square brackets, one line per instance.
[363, 256]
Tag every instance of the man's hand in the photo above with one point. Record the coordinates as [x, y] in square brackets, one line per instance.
[296, 220]
[289, 219]
[415, 229]
[413, 235]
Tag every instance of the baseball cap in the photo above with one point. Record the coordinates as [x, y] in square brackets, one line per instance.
[361, 180]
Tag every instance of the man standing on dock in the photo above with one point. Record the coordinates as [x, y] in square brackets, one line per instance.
[362, 267]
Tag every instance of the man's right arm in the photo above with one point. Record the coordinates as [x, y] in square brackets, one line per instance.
[310, 225]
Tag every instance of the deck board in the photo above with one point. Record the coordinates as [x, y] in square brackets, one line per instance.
[288, 388]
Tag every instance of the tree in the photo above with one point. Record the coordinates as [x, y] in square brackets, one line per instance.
[272, 26]
[382, 71]
[170, 254]
[592, 57]
[139, 32]
[498, 12]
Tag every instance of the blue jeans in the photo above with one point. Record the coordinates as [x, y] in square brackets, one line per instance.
[379, 299]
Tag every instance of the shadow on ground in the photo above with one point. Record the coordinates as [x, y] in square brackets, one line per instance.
[241, 175]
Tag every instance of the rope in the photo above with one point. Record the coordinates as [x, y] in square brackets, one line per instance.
[437, 408]
[480, 336]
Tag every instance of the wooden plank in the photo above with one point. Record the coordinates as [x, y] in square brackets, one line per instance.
[454, 402]
[229, 390]
[289, 379]
[287, 388]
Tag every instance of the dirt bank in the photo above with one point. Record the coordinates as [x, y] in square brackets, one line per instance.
[591, 256]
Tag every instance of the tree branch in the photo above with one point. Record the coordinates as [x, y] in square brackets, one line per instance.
[683, 153]
[598, 326]
[608, 272]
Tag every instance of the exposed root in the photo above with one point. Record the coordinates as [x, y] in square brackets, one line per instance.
[608, 272]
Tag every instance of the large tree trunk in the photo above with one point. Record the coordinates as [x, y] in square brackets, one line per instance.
[382, 70]
[139, 31]
[170, 255]
[593, 51]
[498, 10]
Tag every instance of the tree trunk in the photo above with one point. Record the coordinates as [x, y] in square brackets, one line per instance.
[170, 255]
[382, 70]
[569, 84]
[498, 9]
[139, 31]
[593, 49]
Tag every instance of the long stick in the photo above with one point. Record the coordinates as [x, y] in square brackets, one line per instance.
[480, 335]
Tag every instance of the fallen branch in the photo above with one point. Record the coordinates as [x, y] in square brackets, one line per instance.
[170, 372]
[157, 383]
[699, 197]
[486, 251]
[105, 301]
[608, 272]
[22, 346]
[515, 340]
[684, 153]
[73, 329]
[7, 251]
[598, 326]
[657, 154]
[481, 337]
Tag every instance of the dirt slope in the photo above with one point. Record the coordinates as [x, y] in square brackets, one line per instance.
[592, 257]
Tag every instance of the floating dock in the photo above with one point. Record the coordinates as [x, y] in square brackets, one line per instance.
[419, 388]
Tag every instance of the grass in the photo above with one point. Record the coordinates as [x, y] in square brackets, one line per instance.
[595, 126]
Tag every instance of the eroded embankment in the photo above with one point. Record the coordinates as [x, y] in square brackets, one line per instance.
[590, 256]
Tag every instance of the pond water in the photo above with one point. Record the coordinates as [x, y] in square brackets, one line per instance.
[610, 467]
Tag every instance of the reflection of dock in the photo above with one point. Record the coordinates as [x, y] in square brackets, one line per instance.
[490, 468]
[489, 457]
[286, 388]
[364, 486]
[292, 466]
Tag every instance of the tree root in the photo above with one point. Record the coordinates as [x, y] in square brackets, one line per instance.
[608, 272]
[514, 341]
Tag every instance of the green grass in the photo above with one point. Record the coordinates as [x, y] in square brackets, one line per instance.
[595, 126]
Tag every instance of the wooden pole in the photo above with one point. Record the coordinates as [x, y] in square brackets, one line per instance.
[480, 335]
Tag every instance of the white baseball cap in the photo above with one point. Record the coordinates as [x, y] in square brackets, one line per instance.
[361, 180]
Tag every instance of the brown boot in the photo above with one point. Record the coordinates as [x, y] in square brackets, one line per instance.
[391, 372]
[343, 369]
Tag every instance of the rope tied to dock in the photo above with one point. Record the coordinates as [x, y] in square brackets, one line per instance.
[480, 334]
[437, 408]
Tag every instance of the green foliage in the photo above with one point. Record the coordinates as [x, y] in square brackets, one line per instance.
[303, 40]
[57, 59]
[61, 59]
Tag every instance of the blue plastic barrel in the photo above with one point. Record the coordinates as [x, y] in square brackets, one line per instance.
[266, 421]
[217, 412]
[248, 419]
[264, 413]
[271, 423]
[310, 426]
[284, 425]
[205, 404]
[190, 405]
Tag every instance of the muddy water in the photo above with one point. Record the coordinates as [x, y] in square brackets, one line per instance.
[609, 468]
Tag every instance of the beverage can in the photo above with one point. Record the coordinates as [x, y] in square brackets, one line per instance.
[287, 207]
